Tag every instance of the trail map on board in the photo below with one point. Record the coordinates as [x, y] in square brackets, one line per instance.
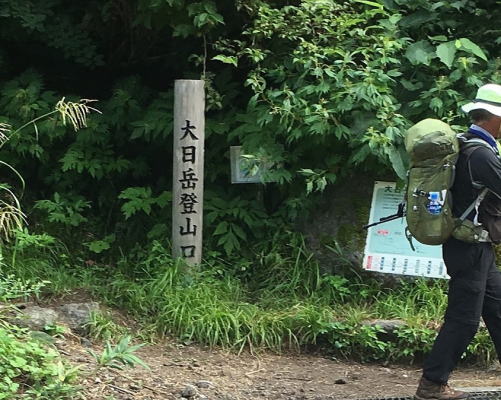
[387, 249]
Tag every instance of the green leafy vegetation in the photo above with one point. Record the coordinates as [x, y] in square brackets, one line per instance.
[101, 326]
[119, 356]
[279, 300]
[30, 368]
[318, 91]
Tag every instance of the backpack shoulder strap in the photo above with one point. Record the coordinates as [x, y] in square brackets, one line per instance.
[475, 204]
[468, 147]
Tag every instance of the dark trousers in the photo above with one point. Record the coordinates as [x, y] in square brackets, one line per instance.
[474, 292]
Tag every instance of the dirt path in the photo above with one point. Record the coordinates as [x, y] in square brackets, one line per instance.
[225, 376]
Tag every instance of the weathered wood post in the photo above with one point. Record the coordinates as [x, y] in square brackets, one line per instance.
[188, 170]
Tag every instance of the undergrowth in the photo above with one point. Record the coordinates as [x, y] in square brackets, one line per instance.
[279, 300]
[30, 368]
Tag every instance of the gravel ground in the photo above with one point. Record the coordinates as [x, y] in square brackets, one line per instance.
[178, 371]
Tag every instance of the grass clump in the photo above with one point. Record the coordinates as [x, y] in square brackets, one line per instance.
[294, 307]
[101, 326]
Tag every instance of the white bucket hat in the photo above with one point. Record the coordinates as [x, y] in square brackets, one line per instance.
[488, 98]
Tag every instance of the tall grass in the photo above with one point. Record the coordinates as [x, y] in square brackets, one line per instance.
[282, 302]
[418, 299]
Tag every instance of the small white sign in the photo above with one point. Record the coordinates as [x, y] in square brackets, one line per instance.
[241, 168]
[387, 249]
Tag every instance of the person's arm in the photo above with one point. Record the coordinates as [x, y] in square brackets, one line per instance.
[485, 169]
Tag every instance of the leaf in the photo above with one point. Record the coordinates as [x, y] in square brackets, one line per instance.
[183, 30]
[226, 59]
[468, 45]
[420, 53]
[438, 38]
[222, 228]
[370, 3]
[446, 53]
[239, 231]
[410, 86]
[309, 187]
[417, 19]
[98, 246]
[458, 5]
[436, 104]
[398, 161]
[306, 171]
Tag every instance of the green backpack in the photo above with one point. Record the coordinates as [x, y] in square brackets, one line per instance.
[433, 149]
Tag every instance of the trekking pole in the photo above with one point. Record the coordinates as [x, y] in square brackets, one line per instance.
[400, 214]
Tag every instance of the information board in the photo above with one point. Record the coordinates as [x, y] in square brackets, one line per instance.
[387, 249]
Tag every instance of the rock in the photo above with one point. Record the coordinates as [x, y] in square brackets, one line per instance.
[354, 376]
[36, 318]
[85, 342]
[203, 384]
[189, 391]
[225, 396]
[226, 371]
[340, 381]
[388, 326]
[336, 217]
[494, 367]
[76, 315]
[134, 387]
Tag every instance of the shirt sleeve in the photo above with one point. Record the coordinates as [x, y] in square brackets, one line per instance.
[485, 167]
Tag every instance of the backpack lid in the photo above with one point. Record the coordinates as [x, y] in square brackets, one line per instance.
[430, 138]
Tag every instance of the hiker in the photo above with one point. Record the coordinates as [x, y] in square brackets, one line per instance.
[475, 284]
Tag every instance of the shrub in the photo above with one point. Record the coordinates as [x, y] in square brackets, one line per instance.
[31, 369]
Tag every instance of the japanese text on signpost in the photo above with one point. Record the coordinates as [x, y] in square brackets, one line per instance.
[189, 126]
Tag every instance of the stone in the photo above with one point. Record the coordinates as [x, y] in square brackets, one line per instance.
[388, 326]
[340, 381]
[225, 396]
[189, 391]
[85, 342]
[36, 318]
[76, 315]
[203, 384]
[494, 367]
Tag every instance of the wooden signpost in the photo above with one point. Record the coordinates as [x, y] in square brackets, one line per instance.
[188, 170]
